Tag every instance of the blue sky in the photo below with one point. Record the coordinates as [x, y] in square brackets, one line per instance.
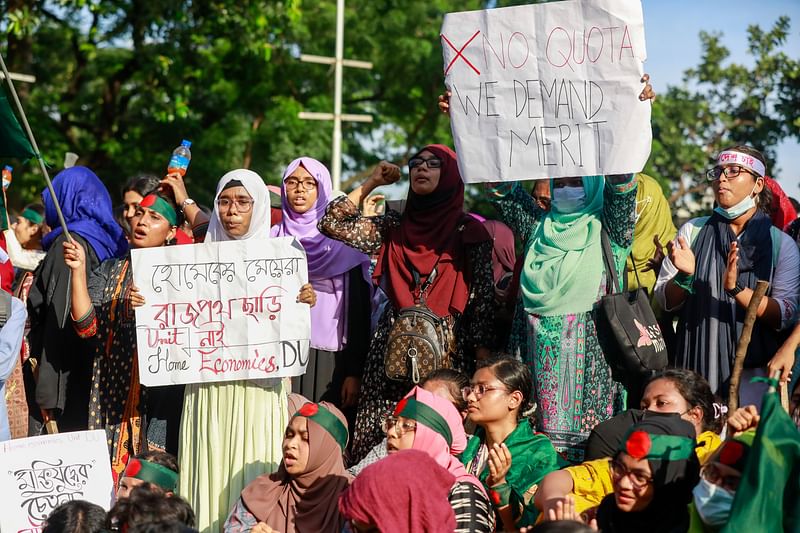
[672, 29]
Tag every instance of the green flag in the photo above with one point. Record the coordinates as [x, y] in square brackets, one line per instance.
[768, 498]
[13, 142]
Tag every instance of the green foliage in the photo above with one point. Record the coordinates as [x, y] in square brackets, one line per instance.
[121, 82]
[720, 104]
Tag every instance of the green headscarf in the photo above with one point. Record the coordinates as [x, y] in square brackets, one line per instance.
[564, 260]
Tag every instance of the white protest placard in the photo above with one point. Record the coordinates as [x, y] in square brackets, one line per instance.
[38, 474]
[547, 90]
[221, 311]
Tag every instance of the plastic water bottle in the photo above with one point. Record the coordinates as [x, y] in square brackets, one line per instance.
[181, 156]
[7, 176]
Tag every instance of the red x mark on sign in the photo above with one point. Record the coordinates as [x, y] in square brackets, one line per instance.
[460, 54]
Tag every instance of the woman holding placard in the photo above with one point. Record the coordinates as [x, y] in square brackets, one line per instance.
[231, 431]
[102, 309]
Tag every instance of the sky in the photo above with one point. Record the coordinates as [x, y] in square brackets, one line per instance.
[672, 29]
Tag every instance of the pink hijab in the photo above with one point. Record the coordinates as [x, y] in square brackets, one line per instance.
[434, 444]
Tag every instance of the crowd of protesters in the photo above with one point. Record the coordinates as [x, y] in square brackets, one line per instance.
[525, 428]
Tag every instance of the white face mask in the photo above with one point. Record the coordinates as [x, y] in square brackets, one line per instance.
[568, 199]
[735, 211]
[713, 503]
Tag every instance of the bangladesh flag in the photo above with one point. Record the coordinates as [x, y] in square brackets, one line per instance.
[13, 142]
[768, 498]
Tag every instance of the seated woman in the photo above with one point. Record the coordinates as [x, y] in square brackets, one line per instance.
[445, 383]
[424, 421]
[713, 267]
[303, 494]
[404, 493]
[653, 474]
[720, 476]
[671, 391]
[504, 453]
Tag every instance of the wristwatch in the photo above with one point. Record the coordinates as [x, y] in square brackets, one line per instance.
[186, 202]
[735, 290]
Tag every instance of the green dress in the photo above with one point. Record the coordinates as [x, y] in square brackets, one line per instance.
[572, 383]
[532, 458]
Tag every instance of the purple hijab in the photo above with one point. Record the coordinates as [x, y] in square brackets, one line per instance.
[328, 260]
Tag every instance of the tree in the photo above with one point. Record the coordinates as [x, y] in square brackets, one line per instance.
[721, 104]
[121, 82]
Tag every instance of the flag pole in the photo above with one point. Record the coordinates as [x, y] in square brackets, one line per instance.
[38, 155]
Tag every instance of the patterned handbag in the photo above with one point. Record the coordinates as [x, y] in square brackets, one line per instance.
[419, 341]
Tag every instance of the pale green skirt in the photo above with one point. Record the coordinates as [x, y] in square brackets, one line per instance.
[231, 433]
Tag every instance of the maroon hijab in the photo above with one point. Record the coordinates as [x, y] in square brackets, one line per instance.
[433, 226]
[407, 492]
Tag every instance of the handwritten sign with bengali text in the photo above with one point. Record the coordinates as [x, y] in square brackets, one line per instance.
[38, 474]
[221, 311]
[547, 90]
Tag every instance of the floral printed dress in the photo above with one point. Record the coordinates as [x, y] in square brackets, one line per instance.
[343, 221]
[572, 382]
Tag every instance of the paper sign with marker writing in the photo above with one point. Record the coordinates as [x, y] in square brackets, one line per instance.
[221, 311]
[547, 90]
[40, 473]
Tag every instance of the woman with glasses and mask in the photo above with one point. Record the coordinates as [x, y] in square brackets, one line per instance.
[434, 245]
[653, 474]
[340, 277]
[719, 480]
[505, 453]
[427, 422]
[230, 431]
[712, 269]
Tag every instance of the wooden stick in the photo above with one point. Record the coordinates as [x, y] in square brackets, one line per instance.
[35, 147]
[744, 342]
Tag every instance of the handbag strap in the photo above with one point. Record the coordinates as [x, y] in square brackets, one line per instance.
[428, 281]
[612, 280]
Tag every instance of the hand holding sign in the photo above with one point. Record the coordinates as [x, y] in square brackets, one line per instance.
[547, 90]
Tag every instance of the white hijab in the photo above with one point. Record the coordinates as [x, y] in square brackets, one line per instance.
[259, 222]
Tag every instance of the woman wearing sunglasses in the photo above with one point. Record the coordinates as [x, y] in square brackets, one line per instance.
[433, 245]
[505, 453]
[712, 269]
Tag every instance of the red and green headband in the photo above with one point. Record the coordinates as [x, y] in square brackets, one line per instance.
[642, 445]
[329, 421]
[426, 415]
[33, 216]
[152, 473]
[160, 206]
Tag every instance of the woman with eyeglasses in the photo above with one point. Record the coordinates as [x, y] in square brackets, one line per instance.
[678, 391]
[653, 474]
[433, 245]
[427, 422]
[340, 277]
[445, 383]
[712, 269]
[719, 480]
[505, 453]
[230, 431]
